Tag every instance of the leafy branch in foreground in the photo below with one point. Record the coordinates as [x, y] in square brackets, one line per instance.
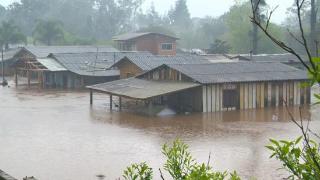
[138, 172]
[301, 159]
[180, 165]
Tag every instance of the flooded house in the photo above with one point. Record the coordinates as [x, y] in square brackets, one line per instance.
[135, 64]
[33, 64]
[212, 87]
[66, 66]
[155, 43]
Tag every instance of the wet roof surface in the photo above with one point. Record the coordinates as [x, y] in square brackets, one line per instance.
[271, 58]
[92, 64]
[141, 89]
[147, 63]
[51, 64]
[44, 51]
[239, 72]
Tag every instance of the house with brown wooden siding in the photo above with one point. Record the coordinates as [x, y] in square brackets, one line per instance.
[134, 64]
[155, 43]
[215, 86]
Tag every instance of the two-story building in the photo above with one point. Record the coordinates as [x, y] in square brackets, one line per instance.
[155, 43]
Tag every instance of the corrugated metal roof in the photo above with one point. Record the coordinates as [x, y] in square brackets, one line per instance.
[92, 64]
[130, 36]
[9, 54]
[44, 51]
[146, 63]
[141, 89]
[239, 72]
[283, 58]
[51, 64]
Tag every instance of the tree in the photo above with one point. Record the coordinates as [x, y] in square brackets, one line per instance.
[301, 160]
[179, 15]
[239, 31]
[114, 17]
[219, 47]
[10, 34]
[48, 32]
[313, 23]
[258, 5]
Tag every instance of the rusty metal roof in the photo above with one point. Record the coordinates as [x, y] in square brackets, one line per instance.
[135, 88]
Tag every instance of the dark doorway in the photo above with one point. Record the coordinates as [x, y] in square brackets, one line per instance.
[231, 98]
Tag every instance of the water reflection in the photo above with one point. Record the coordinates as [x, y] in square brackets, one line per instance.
[57, 135]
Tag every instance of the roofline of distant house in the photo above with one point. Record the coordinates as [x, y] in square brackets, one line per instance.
[147, 33]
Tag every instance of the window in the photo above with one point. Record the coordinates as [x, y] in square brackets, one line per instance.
[166, 46]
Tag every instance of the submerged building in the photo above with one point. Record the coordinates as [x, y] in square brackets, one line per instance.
[213, 87]
[79, 67]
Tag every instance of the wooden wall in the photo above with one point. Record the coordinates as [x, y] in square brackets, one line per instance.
[165, 73]
[127, 69]
[255, 95]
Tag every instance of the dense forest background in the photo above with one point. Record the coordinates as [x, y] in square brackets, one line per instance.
[85, 22]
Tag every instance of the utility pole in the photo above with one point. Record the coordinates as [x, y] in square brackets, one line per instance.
[4, 82]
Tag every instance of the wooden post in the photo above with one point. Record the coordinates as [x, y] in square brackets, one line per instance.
[28, 76]
[120, 103]
[91, 97]
[43, 80]
[16, 77]
[110, 97]
[39, 79]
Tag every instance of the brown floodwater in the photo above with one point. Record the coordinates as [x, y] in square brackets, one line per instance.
[56, 135]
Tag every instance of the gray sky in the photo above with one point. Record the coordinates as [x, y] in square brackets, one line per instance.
[201, 8]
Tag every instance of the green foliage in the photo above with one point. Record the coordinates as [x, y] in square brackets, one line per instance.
[10, 34]
[179, 15]
[219, 47]
[240, 31]
[48, 32]
[71, 39]
[180, 165]
[179, 161]
[202, 172]
[297, 159]
[138, 172]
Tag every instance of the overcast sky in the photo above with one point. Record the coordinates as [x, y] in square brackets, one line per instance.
[201, 8]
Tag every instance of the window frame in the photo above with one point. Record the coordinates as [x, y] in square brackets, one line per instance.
[166, 44]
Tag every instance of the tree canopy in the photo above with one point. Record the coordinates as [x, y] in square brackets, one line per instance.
[97, 21]
[10, 34]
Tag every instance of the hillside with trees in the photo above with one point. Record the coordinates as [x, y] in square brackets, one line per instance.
[78, 22]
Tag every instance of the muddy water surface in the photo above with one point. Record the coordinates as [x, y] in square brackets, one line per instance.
[56, 135]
